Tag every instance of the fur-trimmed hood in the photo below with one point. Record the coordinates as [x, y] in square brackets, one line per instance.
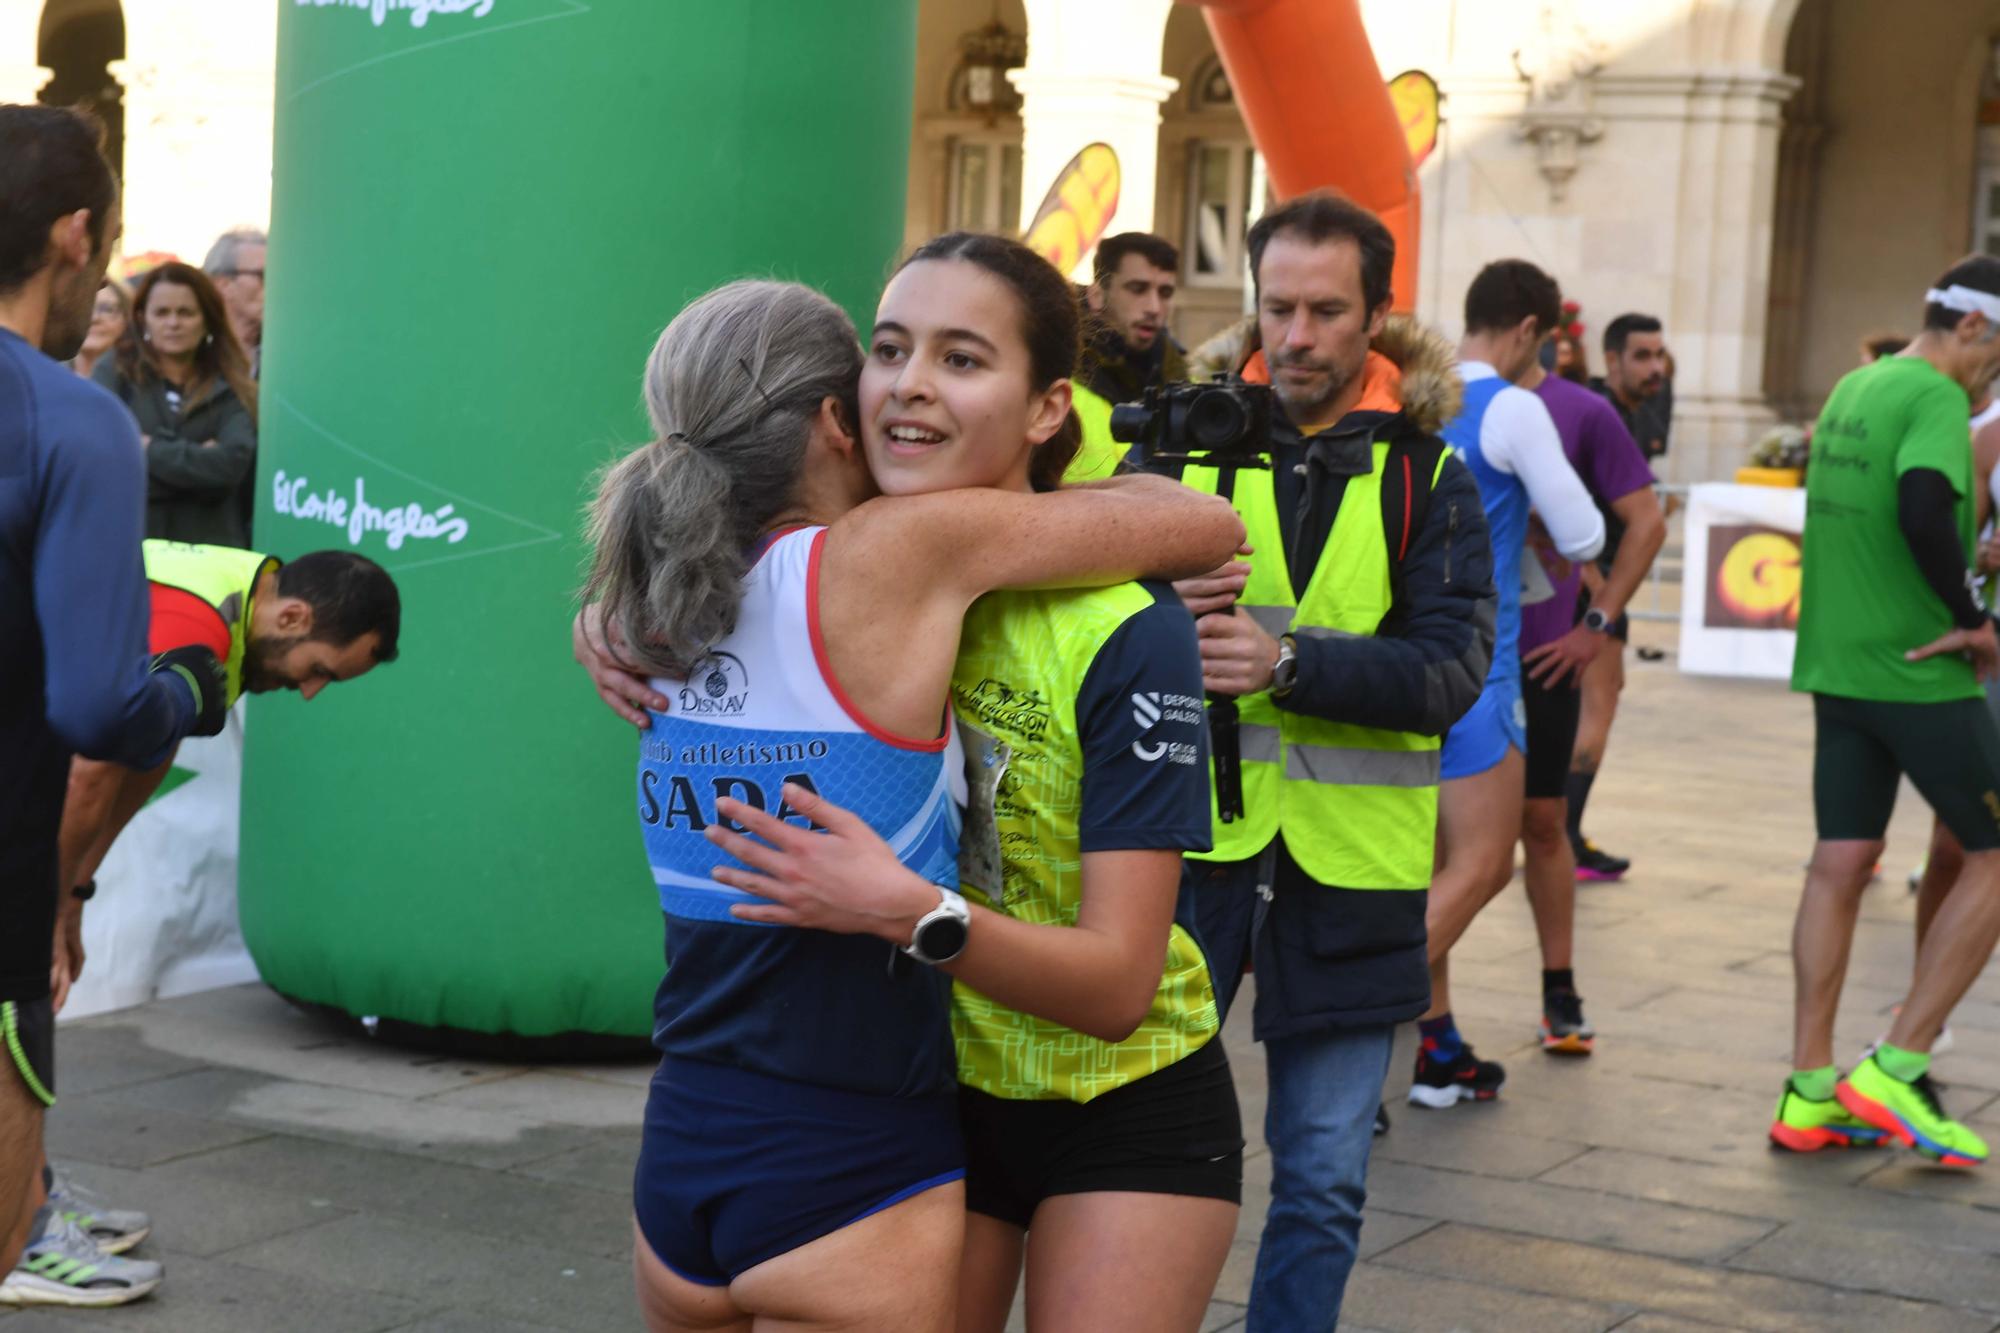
[1426, 362]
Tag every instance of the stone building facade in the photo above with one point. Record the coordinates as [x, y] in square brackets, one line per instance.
[1773, 178]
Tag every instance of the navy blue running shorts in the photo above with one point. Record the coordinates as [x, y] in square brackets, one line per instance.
[737, 1167]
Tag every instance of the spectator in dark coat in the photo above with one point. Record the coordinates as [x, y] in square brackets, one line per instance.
[188, 384]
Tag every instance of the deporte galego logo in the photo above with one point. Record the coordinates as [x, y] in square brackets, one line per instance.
[420, 11]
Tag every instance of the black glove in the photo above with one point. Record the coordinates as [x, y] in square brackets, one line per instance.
[202, 673]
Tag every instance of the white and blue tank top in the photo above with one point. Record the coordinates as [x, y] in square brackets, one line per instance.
[761, 710]
[1505, 499]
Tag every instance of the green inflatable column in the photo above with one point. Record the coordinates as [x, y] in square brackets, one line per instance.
[483, 212]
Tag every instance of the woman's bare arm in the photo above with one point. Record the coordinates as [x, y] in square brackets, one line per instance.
[1098, 976]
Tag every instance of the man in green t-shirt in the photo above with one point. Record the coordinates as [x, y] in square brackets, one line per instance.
[1892, 646]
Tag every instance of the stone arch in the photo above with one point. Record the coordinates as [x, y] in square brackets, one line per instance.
[77, 41]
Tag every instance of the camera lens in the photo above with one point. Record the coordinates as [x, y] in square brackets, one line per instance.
[1130, 422]
[1214, 421]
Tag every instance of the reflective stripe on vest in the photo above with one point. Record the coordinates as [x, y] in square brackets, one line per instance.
[1357, 805]
[1099, 455]
[222, 576]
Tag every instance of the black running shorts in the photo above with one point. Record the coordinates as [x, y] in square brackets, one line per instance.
[28, 1046]
[1176, 1131]
[1552, 718]
[1862, 747]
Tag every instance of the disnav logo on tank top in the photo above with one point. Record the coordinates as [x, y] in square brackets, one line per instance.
[717, 686]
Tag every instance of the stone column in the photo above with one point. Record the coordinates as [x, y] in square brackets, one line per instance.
[1093, 75]
[198, 100]
[1720, 310]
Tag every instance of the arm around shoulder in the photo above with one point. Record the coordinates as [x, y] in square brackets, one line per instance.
[1096, 535]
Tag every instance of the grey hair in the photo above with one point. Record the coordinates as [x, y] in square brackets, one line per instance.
[732, 387]
[228, 248]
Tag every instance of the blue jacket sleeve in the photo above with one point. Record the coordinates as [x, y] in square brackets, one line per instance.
[1427, 663]
[90, 594]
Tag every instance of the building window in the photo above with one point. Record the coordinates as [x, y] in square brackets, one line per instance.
[985, 184]
[1219, 179]
[1986, 188]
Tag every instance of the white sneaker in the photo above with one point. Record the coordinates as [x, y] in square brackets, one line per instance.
[115, 1230]
[63, 1266]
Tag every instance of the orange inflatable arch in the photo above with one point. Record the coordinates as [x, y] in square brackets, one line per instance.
[1309, 89]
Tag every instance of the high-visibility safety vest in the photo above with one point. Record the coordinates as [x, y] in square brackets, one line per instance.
[1100, 455]
[222, 576]
[1357, 805]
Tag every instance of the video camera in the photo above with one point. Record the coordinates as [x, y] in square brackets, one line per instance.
[1222, 423]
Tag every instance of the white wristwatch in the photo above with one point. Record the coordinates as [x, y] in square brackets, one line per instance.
[941, 933]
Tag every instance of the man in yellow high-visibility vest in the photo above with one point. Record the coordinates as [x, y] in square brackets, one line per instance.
[1357, 631]
[1129, 348]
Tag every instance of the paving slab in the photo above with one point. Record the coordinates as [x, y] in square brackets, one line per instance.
[205, 1216]
[370, 1119]
[423, 1191]
[92, 1128]
[1401, 1302]
[1967, 1274]
[1643, 1282]
[216, 1296]
[561, 1284]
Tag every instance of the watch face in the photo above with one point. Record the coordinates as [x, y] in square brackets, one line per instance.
[942, 940]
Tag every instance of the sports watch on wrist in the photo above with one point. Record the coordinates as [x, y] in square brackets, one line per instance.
[1596, 621]
[941, 933]
[85, 891]
[1285, 672]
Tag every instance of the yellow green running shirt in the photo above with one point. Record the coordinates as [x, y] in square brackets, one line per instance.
[1081, 713]
[1863, 603]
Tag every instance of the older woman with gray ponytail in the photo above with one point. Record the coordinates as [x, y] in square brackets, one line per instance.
[796, 633]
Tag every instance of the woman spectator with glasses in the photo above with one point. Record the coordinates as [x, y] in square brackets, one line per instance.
[186, 380]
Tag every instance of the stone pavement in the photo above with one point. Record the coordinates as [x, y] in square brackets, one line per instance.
[305, 1180]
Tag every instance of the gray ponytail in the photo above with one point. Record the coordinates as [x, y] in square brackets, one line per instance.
[732, 387]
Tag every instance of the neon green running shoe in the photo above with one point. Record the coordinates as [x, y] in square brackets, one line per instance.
[1910, 1113]
[1802, 1125]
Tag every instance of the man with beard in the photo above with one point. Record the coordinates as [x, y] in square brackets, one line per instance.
[1636, 382]
[1129, 350]
[1355, 633]
[73, 668]
[327, 616]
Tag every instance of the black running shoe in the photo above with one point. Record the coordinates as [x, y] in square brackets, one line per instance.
[1442, 1083]
[1596, 865]
[1565, 1031]
[1381, 1120]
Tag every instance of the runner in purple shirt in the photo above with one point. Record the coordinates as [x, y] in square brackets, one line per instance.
[1559, 637]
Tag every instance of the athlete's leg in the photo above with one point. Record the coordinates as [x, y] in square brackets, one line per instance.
[909, 1254]
[1116, 1259]
[20, 1161]
[1603, 680]
[1855, 776]
[1479, 818]
[1550, 875]
[1942, 866]
[1821, 939]
[669, 1303]
[989, 1273]
[1956, 950]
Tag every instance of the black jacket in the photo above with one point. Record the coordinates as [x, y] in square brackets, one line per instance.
[196, 491]
[1325, 955]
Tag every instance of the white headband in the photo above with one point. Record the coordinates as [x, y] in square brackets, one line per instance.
[1966, 299]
